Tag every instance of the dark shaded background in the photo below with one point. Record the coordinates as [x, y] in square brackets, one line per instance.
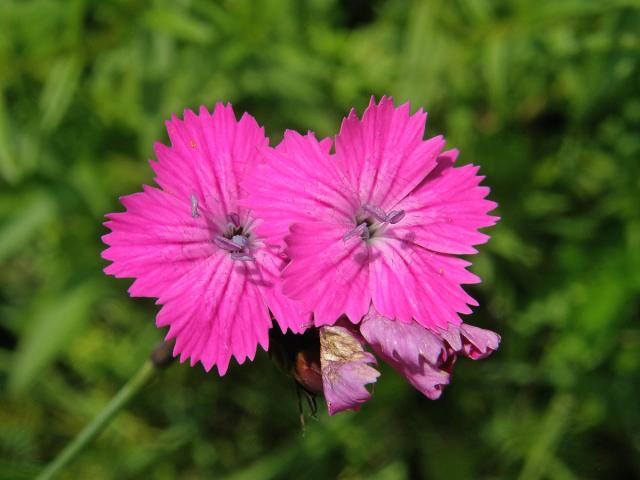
[543, 95]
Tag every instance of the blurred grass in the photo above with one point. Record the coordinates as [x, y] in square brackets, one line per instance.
[543, 95]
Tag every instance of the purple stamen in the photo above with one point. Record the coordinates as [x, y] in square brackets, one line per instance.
[241, 256]
[226, 244]
[365, 232]
[240, 240]
[360, 231]
[237, 247]
[395, 216]
[375, 212]
[234, 218]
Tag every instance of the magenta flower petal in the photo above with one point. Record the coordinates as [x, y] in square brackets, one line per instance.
[446, 210]
[296, 183]
[406, 343]
[429, 379]
[154, 241]
[290, 315]
[425, 358]
[194, 246]
[383, 156]
[346, 369]
[210, 155]
[375, 223]
[214, 312]
[331, 274]
[473, 342]
[409, 282]
[415, 352]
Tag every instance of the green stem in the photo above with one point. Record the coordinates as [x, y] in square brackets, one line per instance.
[552, 428]
[99, 422]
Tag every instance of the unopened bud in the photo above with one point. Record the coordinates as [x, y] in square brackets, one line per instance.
[162, 355]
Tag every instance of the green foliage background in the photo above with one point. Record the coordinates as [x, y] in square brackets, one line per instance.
[544, 95]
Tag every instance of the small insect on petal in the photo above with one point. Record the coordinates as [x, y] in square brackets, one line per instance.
[194, 206]
[395, 216]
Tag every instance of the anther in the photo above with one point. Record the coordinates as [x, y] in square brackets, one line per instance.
[360, 231]
[379, 214]
[237, 247]
[395, 216]
[240, 240]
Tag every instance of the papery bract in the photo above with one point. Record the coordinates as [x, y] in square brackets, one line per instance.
[346, 368]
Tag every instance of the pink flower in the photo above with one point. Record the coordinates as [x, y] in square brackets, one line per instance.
[194, 247]
[377, 223]
[424, 357]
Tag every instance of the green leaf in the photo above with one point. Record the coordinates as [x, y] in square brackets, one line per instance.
[178, 25]
[55, 323]
[8, 169]
[58, 91]
[25, 223]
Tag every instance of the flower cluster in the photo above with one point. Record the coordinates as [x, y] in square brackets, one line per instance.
[356, 238]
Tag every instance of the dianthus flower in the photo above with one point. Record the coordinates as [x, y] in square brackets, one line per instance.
[194, 247]
[372, 231]
[377, 223]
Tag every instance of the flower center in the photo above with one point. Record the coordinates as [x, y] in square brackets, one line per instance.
[371, 219]
[235, 240]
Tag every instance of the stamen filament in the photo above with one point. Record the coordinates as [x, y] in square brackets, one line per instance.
[234, 218]
[379, 214]
[375, 212]
[360, 231]
[363, 229]
[241, 256]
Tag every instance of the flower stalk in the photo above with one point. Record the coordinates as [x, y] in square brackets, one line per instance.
[160, 357]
